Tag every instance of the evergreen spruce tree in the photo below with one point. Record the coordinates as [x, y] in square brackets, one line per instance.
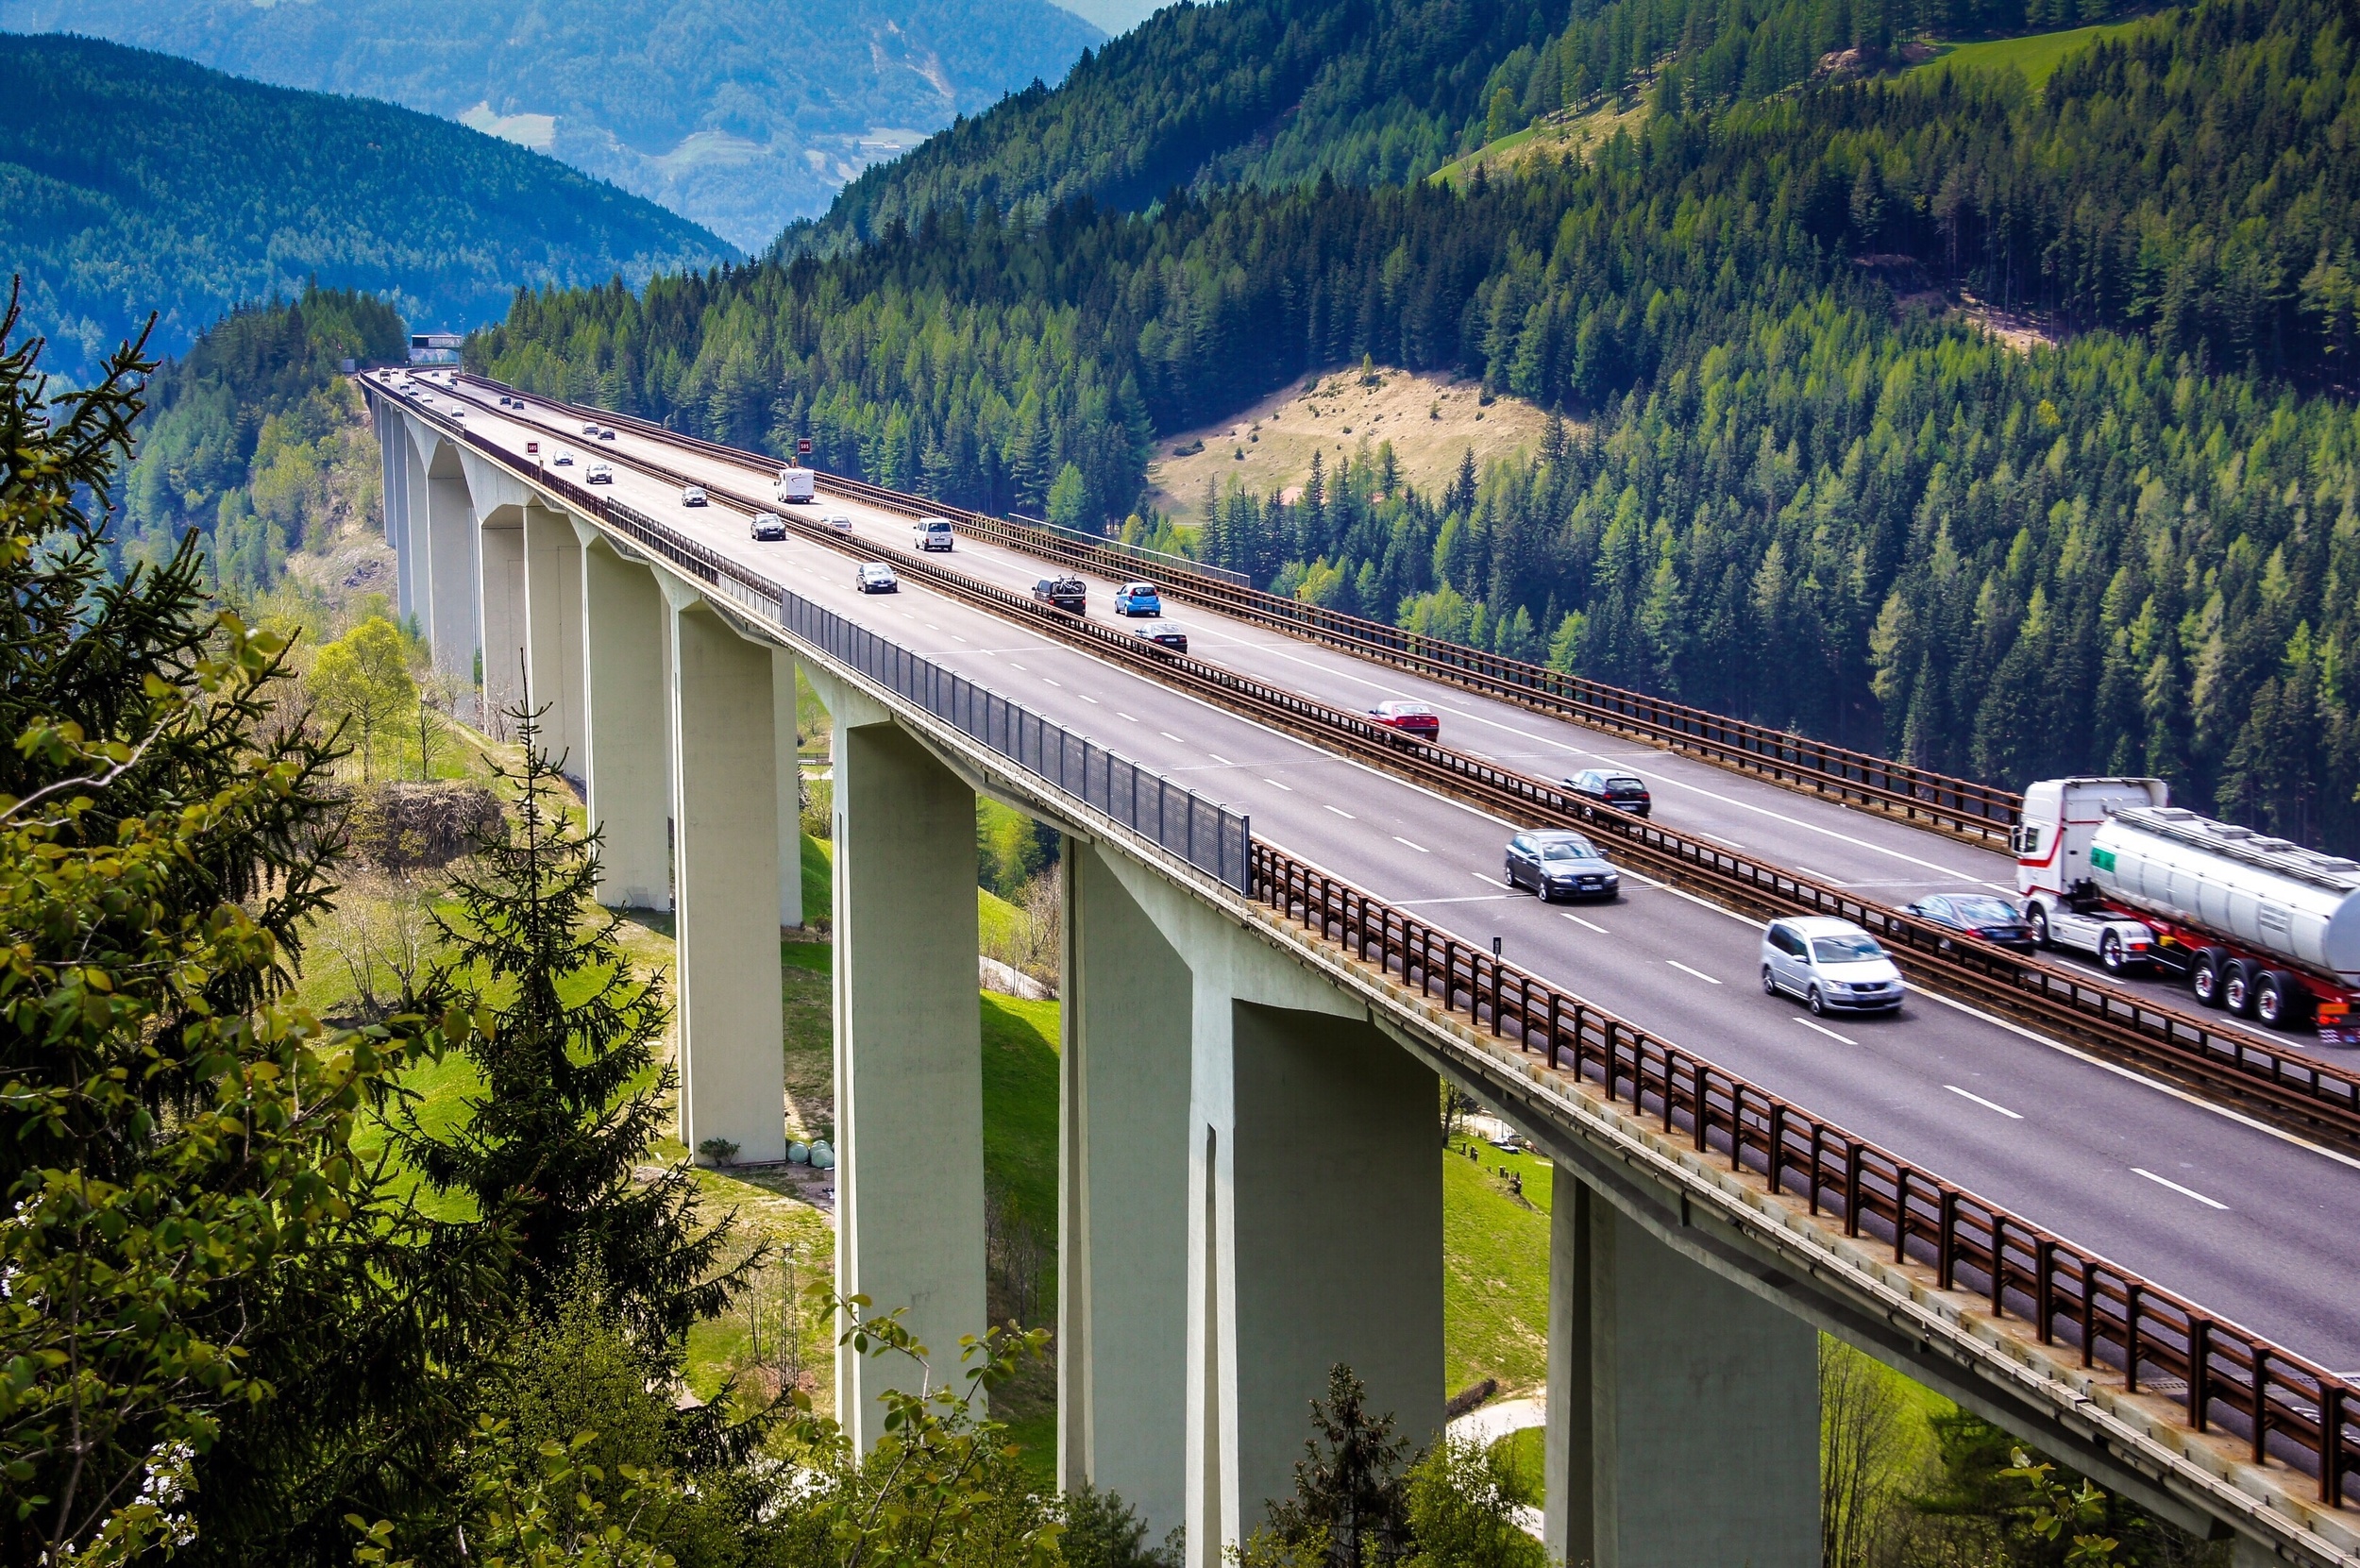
[225, 1329]
[573, 1094]
[1350, 1489]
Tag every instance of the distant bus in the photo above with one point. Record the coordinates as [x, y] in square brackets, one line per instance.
[435, 347]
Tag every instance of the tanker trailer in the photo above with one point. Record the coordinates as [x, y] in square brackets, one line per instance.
[2259, 926]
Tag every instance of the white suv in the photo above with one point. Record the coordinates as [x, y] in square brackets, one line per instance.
[1832, 965]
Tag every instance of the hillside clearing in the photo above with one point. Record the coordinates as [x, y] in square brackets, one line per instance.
[1567, 133]
[2036, 57]
[1429, 419]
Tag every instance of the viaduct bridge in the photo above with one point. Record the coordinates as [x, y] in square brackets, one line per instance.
[2118, 1229]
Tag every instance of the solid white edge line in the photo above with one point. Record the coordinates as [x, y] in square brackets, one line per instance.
[2183, 1191]
[1823, 1029]
[1987, 1105]
[1698, 974]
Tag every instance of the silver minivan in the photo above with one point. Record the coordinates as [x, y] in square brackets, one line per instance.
[1831, 965]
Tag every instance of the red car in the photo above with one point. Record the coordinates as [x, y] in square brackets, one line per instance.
[1410, 718]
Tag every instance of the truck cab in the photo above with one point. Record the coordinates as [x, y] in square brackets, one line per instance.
[2052, 868]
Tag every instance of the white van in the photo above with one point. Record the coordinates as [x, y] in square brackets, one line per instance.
[932, 534]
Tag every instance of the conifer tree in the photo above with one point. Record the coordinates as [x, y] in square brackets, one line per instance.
[573, 1094]
[224, 1329]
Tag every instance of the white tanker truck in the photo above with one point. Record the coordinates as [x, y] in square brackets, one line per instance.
[2259, 926]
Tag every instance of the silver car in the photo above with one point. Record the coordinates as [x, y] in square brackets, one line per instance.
[692, 495]
[1831, 965]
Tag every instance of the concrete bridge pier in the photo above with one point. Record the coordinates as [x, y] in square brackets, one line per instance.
[1310, 1233]
[396, 461]
[909, 1120]
[553, 635]
[789, 768]
[506, 617]
[626, 723]
[726, 876]
[1683, 1411]
[446, 578]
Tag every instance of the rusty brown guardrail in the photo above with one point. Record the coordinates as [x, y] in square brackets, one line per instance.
[2122, 1024]
[1980, 813]
[2285, 1405]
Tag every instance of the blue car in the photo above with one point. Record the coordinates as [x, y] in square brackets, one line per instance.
[1139, 598]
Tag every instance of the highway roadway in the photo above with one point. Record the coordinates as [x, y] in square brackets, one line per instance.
[2248, 1220]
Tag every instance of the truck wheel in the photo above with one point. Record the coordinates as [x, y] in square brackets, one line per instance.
[2237, 987]
[2204, 979]
[2110, 952]
[2039, 917]
[2277, 999]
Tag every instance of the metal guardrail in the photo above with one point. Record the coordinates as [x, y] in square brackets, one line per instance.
[2136, 1030]
[1980, 813]
[1164, 562]
[2285, 1405]
[1204, 834]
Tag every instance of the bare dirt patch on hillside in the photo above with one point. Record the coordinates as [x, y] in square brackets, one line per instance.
[1431, 420]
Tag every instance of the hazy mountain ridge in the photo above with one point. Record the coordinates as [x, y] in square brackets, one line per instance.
[741, 115]
[130, 181]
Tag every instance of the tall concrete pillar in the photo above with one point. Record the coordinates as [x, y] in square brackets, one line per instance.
[1683, 1411]
[553, 651]
[506, 618]
[1311, 1228]
[733, 1081]
[416, 536]
[627, 729]
[451, 586]
[395, 459]
[909, 1120]
[790, 779]
[1317, 1240]
[1122, 1258]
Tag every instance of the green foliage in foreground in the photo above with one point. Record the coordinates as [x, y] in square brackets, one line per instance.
[218, 1321]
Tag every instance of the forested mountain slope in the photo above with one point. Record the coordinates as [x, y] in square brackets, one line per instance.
[1275, 92]
[1796, 501]
[254, 438]
[1267, 91]
[130, 181]
[741, 114]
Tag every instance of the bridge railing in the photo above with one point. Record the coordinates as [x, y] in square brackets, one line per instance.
[2282, 1406]
[1204, 834]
